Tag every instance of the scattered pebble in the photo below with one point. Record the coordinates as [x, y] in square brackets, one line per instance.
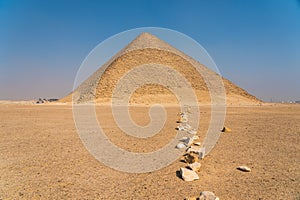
[187, 127]
[192, 198]
[180, 146]
[195, 166]
[194, 149]
[180, 128]
[195, 153]
[196, 137]
[189, 141]
[202, 153]
[193, 132]
[190, 158]
[226, 129]
[197, 143]
[183, 139]
[182, 120]
[244, 168]
[188, 175]
[207, 195]
[182, 117]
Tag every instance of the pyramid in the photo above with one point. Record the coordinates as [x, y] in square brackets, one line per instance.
[144, 49]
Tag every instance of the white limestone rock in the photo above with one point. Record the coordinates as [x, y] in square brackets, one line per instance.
[195, 166]
[190, 158]
[244, 168]
[188, 175]
[197, 143]
[187, 127]
[189, 141]
[192, 131]
[196, 137]
[194, 149]
[180, 128]
[202, 153]
[180, 146]
[207, 195]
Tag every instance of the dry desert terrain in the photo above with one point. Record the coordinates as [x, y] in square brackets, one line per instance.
[42, 156]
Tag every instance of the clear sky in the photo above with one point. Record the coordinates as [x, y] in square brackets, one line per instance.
[255, 43]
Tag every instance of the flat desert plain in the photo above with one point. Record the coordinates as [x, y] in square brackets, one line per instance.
[42, 156]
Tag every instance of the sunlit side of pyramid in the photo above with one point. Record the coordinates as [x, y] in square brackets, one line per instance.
[145, 49]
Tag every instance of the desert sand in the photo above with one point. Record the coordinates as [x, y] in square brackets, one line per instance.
[42, 156]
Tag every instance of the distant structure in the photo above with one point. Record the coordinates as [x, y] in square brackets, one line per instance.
[40, 101]
[144, 49]
[52, 100]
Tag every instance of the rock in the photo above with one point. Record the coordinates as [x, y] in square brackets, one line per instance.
[192, 198]
[182, 114]
[180, 146]
[192, 132]
[190, 158]
[196, 137]
[189, 141]
[180, 128]
[244, 168]
[202, 153]
[195, 166]
[188, 175]
[226, 129]
[197, 143]
[207, 195]
[184, 127]
[194, 149]
[187, 127]
[183, 139]
[182, 117]
[182, 120]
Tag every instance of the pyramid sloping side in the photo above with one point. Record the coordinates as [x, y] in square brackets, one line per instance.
[89, 89]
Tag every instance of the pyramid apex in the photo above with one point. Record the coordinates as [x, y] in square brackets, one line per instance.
[146, 40]
[146, 36]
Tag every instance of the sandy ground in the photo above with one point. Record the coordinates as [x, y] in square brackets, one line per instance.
[42, 157]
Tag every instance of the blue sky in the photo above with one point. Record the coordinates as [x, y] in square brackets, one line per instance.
[255, 44]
